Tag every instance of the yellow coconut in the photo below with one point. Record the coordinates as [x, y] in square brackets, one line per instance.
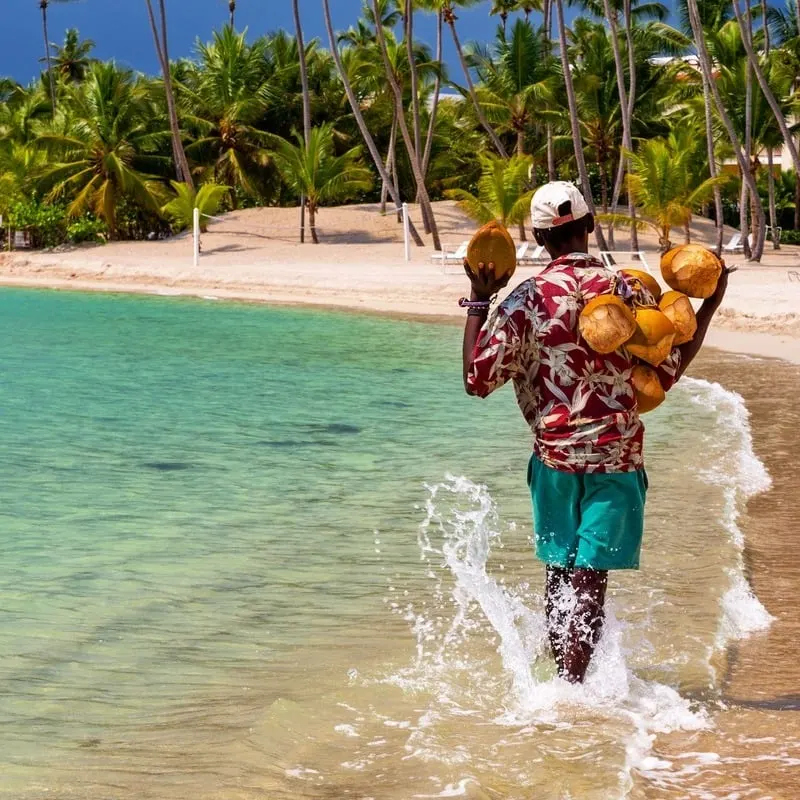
[678, 307]
[606, 323]
[653, 338]
[646, 279]
[493, 244]
[691, 269]
[648, 389]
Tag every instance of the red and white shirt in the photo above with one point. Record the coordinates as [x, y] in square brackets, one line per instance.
[580, 405]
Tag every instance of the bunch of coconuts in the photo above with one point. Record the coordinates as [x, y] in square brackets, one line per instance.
[607, 323]
[649, 332]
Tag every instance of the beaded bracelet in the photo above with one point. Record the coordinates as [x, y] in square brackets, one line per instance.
[465, 303]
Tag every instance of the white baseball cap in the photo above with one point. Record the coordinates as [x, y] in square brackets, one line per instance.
[547, 199]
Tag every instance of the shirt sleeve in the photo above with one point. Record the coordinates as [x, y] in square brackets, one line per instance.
[667, 371]
[498, 353]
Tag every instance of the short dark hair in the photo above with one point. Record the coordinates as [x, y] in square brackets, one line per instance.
[558, 237]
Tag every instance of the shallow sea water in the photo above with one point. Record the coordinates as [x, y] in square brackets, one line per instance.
[253, 552]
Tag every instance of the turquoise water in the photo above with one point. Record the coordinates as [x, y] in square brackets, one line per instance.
[211, 579]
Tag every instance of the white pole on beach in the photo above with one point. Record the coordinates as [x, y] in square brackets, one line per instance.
[406, 232]
[196, 225]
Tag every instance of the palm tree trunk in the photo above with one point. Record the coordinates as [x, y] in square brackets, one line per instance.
[450, 19]
[747, 40]
[408, 20]
[390, 155]
[312, 220]
[712, 165]
[773, 214]
[182, 169]
[547, 24]
[362, 125]
[706, 66]
[43, 5]
[301, 51]
[628, 16]
[765, 24]
[413, 153]
[523, 236]
[627, 141]
[437, 87]
[744, 207]
[577, 142]
[412, 65]
[232, 9]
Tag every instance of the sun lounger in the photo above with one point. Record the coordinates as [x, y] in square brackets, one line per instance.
[607, 257]
[453, 257]
[537, 256]
[735, 245]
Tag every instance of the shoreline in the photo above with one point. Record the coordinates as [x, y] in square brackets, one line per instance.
[779, 346]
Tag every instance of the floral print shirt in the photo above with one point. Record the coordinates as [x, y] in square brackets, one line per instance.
[580, 405]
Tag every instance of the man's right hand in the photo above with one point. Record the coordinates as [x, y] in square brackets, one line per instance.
[484, 282]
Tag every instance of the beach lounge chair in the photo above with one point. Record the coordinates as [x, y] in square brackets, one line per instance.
[536, 256]
[522, 251]
[454, 257]
[734, 245]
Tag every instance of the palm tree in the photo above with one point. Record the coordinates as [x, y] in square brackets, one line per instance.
[518, 80]
[223, 101]
[232, 12]
[181, 208]
[528, 6]
[71, 60]
[755, 64]
[577, 142]
[710, 81]
[43, 6]
[99, 159]
[503, 193]
[162, 52]
[315, 172]
[663, 183]
[359, 117]
[449, 16]
[414, 154]
[503, 8]
[301, 50]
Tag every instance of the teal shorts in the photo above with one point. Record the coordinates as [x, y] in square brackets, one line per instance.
[587, 520]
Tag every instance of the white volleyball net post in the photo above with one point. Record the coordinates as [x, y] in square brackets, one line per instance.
[406, 232]
[196, 237]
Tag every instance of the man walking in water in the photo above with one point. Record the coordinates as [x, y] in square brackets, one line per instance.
[586, 475]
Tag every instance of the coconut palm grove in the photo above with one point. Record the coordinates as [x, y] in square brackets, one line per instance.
[658, 113]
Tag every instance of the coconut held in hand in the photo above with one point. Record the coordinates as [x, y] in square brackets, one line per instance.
[678, 307]
[606, 323]
[653, 338]
[691, 269]
[648, 389]
[492, 244]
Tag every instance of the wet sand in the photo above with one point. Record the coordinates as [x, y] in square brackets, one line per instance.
[753, 750]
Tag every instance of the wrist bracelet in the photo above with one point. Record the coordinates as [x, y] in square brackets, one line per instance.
[465, 303]
[477, 312]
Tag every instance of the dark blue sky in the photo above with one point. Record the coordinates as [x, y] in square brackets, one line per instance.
[120, 28]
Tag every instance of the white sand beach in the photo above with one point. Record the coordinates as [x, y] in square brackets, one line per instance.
[255, 255]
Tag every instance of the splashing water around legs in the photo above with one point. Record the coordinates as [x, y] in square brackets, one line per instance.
[575, 609]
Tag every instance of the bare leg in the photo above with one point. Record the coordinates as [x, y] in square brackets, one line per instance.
[585, 622]
[556, 586]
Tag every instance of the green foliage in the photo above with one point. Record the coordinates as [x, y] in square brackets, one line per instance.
[503, 193]
[87, 229]
[665, 186]
[180, 210]
[45, 224]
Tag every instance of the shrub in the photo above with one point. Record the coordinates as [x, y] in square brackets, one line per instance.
[87, 229]
[45, 224]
